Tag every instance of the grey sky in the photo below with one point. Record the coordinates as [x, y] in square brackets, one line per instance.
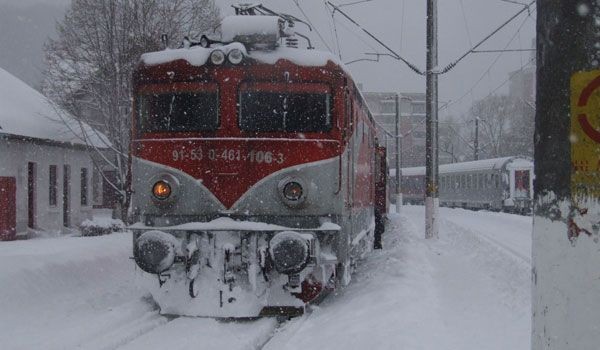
[384, 18]
[405, 33]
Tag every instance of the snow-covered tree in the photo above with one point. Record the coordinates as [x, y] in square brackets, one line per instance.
[91, 62]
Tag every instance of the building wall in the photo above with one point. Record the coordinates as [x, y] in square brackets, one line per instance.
[14, 158]
[412, 124]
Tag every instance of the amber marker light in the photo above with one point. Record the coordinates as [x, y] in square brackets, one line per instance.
[161, 190]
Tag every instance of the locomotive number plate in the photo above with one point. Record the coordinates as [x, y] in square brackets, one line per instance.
[228, 155]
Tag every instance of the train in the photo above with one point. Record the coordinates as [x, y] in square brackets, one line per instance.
[498, 184]
[257, 179]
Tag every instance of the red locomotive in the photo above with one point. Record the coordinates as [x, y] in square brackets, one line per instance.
[254, 173]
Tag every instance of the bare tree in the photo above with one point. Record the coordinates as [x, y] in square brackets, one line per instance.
[91, 63]
[505, 128]
[452, 143]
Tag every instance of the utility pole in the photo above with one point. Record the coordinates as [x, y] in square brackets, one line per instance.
[565, 246]
[398, 157]
[476, 143]
[431, 158]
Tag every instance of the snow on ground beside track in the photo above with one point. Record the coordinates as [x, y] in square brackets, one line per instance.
[511, 231]
[461, 292]
[60, 293]
[468, 290]
[80, 293]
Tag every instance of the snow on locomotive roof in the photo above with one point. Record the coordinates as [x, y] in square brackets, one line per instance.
[234, 26]
[476, 165]
[198, 56]
[26, 112]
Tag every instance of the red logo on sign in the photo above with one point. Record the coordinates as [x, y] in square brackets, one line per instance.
[585, 124]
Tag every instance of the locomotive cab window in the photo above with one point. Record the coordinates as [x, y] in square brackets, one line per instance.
[302, 108]
[187, 111]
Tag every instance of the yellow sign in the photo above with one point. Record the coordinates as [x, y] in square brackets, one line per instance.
[585, 135]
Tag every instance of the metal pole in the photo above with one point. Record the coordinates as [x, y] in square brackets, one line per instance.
[476, 143]
[431, 159]
[398, 158]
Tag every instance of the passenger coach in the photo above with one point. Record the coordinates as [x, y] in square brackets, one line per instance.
[493, 184]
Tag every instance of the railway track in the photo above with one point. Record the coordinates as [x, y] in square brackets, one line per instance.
[148, 329]
[156, 331]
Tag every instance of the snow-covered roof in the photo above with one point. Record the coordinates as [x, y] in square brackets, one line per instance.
[476, 165]
[198, 56]
[26, 112]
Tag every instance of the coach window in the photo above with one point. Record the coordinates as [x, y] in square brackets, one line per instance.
[179, 111]
[305, 110]
[480, 178]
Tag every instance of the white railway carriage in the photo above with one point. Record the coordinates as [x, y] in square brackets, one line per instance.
[494, 184]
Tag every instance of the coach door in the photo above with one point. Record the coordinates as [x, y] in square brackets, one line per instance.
[8, 210]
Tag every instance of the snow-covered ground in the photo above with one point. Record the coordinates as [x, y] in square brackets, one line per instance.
[468, 290]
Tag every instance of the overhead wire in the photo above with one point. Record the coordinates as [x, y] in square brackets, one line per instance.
[455, 62]
[356, 35]
[337, 39]
[531, 60]
[462, 9]
[329, 24]
[395, 55]
[312, 25]
[487, 71]
[447, 68]
[402, 26]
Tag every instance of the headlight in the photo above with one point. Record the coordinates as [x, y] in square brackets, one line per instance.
[235, 56]
[293, 191]
[217, 57]
[161, 190]
[154, 251]
[289, 251]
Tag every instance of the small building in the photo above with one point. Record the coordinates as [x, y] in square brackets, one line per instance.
[45, 163]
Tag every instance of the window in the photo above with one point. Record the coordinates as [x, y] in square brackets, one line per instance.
[52, 185]
[418, 108]
[480, 180]
[262, 111]
[84, 187]
[179, 112]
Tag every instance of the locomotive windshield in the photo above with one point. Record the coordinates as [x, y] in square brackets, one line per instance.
[261, 111]
[178, 112]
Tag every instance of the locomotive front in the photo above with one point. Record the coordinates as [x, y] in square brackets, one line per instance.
[236, 178]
